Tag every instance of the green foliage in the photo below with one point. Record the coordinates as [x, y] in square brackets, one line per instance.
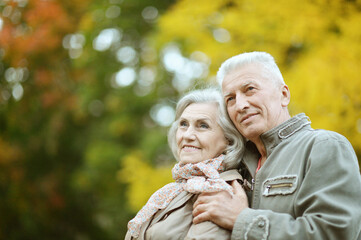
[65, 123]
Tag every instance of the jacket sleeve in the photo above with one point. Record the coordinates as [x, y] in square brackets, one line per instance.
[327, 204]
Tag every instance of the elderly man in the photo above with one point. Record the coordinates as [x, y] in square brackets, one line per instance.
[305, 183]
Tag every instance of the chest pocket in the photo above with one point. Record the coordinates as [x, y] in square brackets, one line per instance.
[280, 185]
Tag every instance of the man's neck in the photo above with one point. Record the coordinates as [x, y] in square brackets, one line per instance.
[261, 148]
[259, 143]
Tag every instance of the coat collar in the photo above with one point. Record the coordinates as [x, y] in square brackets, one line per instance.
[274, 137]
[283, 131]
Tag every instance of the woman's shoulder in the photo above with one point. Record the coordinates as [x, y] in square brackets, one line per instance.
[231, 175]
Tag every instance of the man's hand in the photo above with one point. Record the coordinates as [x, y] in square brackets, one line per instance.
[220, 207]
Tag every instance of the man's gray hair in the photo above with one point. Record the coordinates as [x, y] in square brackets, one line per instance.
[235, 147]
[238, 61]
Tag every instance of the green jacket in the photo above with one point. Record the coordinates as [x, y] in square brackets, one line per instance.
[308, 188]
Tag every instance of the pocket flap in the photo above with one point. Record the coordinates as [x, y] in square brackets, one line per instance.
[280, 185]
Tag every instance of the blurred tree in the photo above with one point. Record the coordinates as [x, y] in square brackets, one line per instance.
[70, 112]
[37, 101]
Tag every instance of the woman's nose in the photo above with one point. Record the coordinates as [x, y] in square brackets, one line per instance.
[189, 134]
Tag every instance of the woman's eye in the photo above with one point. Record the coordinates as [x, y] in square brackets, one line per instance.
[183, 123]
[204, 125]
[250, 88]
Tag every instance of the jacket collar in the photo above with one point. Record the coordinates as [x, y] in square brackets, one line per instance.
[283, 131]
[275, 136]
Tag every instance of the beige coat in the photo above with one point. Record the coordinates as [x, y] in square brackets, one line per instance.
[175, 221]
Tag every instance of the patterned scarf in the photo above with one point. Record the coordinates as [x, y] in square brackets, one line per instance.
[194, 178]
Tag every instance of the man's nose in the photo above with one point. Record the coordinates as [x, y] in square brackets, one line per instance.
[241, 103]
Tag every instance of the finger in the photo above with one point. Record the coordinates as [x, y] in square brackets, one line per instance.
[203, 194]
[198, 203]
[202, 198]
[197, 210]
[237, 188]
[204, 216]
[200, 207]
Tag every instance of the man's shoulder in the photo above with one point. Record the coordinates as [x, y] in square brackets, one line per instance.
[322, 135]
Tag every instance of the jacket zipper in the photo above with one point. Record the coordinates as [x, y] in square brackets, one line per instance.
[252, 184]
[279, 185]
[252, 187]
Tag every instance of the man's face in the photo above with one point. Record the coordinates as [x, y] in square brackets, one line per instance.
[254, 102]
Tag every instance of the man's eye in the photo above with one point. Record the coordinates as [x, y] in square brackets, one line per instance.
[250, 88]
[229, 99]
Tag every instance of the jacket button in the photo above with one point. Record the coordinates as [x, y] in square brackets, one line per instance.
[261, 224]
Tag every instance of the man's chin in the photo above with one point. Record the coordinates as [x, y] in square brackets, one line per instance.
[250, 133]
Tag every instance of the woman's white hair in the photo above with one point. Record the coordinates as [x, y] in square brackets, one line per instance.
[238, 61]
[234, 149]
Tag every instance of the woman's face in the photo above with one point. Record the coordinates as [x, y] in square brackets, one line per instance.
[199, 137]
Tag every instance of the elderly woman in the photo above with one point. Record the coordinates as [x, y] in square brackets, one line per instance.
[208, 149]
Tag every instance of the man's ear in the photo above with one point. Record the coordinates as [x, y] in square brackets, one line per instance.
[286, 96]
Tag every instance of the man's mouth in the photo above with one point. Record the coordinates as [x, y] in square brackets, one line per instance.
[244, 118]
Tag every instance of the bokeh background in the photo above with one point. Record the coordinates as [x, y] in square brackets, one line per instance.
[88, 90]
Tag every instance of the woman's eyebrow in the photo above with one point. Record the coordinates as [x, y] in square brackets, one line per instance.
[204, 119]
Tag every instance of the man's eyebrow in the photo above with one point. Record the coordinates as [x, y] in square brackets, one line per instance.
[240, 87]
[246, 84]
[227, 94]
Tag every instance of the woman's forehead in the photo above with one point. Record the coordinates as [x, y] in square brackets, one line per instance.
[201, 110]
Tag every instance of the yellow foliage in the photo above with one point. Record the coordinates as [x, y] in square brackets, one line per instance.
[316, 44]
[326, 85]
[142, 179]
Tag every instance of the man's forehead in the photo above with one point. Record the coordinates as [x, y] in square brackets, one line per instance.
[235, 85]
[243, 77]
